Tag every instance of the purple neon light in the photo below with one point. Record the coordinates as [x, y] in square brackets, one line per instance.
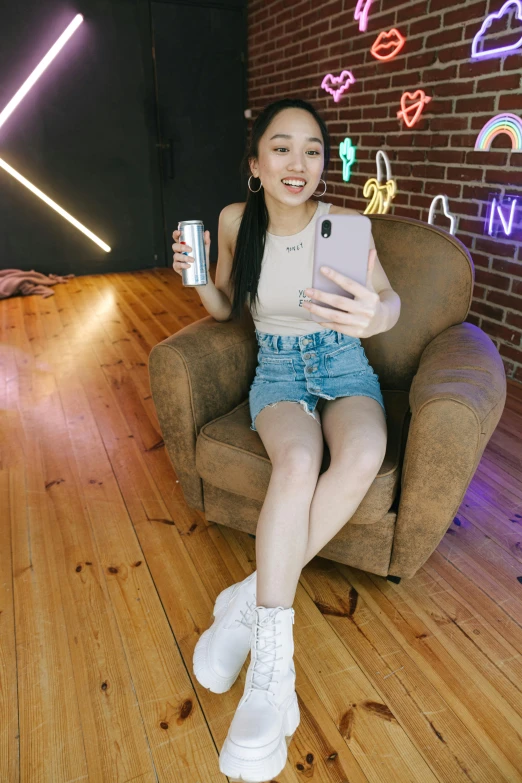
[40, 68]
[487, 23]
[497, 209]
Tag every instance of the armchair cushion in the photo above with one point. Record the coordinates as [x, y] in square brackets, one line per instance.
[230, 456]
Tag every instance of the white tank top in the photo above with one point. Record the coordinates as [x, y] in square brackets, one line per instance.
[286, 272]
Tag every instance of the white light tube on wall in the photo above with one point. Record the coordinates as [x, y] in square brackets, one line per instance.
[54, 205]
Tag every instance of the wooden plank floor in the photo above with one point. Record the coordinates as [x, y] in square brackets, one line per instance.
[107, 579]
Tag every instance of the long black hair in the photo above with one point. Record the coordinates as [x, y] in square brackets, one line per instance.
[250, 244]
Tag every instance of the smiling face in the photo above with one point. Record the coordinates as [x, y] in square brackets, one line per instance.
[290, 151]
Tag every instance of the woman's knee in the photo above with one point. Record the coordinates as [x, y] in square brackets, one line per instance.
[361, 459]
[299, 458]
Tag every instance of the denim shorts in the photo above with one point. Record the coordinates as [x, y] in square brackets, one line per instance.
[304, 368]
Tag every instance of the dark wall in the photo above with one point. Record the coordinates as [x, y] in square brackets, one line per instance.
[85, 135]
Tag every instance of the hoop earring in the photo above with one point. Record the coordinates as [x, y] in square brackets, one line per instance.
[260, 185]
[318, 195]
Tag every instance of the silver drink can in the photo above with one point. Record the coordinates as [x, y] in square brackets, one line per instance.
[192, 234]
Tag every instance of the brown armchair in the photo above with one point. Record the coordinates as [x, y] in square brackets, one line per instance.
[443, 384]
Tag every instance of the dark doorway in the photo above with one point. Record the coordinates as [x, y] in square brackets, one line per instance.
[200, 59]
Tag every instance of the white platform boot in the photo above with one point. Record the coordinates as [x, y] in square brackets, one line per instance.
[255, 749]
[222, 649]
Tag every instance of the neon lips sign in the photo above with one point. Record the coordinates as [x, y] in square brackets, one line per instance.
[387, 45]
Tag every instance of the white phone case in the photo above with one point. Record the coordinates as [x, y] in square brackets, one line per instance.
[346, 250]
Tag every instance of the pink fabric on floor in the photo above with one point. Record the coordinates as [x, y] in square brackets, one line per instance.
[16, 281]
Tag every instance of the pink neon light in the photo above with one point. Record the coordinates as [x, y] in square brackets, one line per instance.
[419, 100]
[479, 38]
[343, 82]
[387, 45]
[40, 68]
[361, 13]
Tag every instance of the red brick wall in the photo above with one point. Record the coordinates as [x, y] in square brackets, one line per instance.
[293, 44]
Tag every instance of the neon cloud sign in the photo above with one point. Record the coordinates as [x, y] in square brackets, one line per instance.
[387, 45]
[497, 221]
[411, 112]
[446, 211]
[347, 153]
[479, 39]
[380, 194]
[336, 85]
[362, 10]
[11, 106]
[502, 123]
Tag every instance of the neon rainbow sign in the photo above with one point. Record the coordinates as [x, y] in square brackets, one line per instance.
[380, 194]
[361, 13]
[11, 106]
[347, 153]
[336, 85]
[480, 36]
[502, 123]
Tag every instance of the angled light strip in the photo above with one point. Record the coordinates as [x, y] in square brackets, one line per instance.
[40, 68]
[54, 205]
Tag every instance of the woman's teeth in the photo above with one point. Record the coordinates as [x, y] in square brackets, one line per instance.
[294, 184]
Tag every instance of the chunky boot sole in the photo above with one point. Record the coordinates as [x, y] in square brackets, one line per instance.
[244, 771]
[203, 673]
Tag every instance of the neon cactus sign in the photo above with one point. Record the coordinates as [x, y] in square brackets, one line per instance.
[11, 106]
[336, 85]
[380, 193]
[479, 39]
[502, 123]
[347, 153]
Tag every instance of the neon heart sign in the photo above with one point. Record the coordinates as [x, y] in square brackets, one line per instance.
[337, 85]
[11, 106]
[411, 112]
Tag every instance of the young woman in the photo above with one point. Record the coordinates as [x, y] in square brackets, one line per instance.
[266, 253]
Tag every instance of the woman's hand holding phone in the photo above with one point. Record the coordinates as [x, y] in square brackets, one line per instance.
[361, 316]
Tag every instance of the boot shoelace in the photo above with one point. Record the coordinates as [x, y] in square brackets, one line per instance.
[247, 615]
[265, 632]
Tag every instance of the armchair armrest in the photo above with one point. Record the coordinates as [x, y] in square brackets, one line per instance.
[196, 375]
[456, 398]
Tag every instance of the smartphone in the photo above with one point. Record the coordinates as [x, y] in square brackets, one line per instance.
[342, 242]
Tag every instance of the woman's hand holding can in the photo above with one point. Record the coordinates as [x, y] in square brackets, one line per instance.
[182, 259]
